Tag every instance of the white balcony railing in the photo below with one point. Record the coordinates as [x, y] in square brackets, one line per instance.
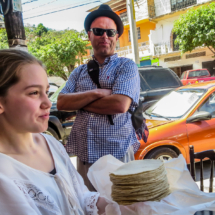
[122, 52]
[165, 48]
[162, 7]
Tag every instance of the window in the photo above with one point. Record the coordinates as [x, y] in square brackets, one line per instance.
[175, 46]
[159, 78]
[179, 4]
[198, 73]
[208, 105]
[183, 75]
[176, 103]
[123, 16]
[138, 34]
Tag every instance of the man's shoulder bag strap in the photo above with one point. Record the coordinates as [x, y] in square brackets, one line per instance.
[93, 71]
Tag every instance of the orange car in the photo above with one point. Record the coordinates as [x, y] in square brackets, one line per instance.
[185, 116]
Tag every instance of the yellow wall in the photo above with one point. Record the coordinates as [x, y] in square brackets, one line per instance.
[145, 28]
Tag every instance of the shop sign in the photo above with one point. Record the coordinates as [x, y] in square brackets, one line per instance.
[145, 58]
[155, 62]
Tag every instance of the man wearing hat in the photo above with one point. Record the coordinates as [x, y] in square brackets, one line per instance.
[103, 125]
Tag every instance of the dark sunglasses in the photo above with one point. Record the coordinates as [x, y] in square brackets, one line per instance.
[100, 32]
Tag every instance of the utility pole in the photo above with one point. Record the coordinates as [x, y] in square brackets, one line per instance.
[133, 31]
[12, 11]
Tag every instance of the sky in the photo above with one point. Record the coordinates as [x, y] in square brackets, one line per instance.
[72, 18]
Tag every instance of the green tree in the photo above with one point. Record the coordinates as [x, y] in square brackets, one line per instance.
[196, 28]
[41, 29]
[59, 50]
[3, 39]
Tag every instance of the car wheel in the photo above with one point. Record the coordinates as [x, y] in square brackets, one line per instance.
[163, 153]
[52, 132]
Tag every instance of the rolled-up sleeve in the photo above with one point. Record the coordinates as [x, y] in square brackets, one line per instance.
[128, 81]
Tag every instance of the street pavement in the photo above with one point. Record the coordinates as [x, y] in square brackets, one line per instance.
[206, 173]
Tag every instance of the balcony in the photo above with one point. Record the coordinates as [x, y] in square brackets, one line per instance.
[141, 12]
[124, 17]
[122, 52]
[178, 4]
[162, 7]
[165, 48]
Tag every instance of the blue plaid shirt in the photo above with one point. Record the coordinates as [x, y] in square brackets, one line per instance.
[92, 135]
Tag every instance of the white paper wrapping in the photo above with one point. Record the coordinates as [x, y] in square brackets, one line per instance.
[185, 197]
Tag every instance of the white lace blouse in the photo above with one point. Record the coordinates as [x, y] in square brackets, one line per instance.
[27, 191]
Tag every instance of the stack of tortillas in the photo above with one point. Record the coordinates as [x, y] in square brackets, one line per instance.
[139, 181]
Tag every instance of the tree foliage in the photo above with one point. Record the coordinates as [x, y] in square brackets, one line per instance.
[196, 28]
[3, 39]
[60, 51]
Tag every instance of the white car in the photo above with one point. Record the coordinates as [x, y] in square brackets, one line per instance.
[53, 88]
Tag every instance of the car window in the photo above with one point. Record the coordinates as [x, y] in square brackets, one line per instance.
[183, 75]
[159, 78]
[208, 105]
[198, 73]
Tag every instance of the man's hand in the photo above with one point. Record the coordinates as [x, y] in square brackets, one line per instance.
[104, 92]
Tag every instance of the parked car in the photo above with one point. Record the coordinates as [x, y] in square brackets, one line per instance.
[196, 76]
[60, 122]
[186, 116]
[155, 82]
[52, 89]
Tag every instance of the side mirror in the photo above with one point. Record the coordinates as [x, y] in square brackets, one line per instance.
[142, 98]
[200, 116]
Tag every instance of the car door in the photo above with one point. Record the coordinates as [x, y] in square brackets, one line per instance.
[202, 134]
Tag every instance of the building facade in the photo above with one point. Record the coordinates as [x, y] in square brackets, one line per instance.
[161, 39]
[154, 22]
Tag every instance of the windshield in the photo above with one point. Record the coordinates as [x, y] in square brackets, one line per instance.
[198, 73]
[159, 78]
[53, 98]
[176, 103]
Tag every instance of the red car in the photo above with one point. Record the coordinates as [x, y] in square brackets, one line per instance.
[196, 76]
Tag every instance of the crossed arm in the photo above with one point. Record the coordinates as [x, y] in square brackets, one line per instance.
[99, 101]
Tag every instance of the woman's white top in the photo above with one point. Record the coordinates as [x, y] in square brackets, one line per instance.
[27, 191]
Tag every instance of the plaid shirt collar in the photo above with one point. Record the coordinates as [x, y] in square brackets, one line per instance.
[107, 59]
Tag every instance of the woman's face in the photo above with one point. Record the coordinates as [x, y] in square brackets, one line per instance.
[26, 106]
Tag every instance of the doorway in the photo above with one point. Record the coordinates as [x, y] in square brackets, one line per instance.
[181, 69]
[210, 65]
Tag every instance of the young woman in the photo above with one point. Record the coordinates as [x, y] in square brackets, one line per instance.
[36, 175]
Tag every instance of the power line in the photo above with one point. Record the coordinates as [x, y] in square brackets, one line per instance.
[30, 1]
[40, 6]
[55, 8]
[61, 10]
